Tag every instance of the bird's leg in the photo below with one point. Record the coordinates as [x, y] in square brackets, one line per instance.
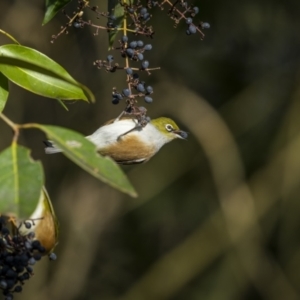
[137, 126]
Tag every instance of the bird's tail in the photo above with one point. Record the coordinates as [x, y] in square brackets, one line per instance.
[51, 148]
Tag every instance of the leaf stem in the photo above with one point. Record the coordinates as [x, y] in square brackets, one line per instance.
[8, 121]
[15, 127]
[9, 36]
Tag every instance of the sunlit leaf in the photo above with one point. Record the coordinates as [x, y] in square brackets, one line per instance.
[3, 91]
[34, 71]
[21, 181]
[117, 10]
[82, 152]
[52, 8]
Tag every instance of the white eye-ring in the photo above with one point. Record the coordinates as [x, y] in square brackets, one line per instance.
[169, 127]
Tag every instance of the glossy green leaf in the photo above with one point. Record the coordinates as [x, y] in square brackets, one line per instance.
[34, 71]
[116, 9]
[52, 8]
[3, 91]
[21, 181]
[82, 152]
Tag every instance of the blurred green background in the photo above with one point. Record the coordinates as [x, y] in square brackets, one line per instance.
[218, 216]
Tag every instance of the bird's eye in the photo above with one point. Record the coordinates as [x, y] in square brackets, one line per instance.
[169, 127]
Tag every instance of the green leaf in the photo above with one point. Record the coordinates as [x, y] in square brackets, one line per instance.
[116, 9]
[82, 152]
[37, 73]
[52, 8]
[21, 182]
[3, 91]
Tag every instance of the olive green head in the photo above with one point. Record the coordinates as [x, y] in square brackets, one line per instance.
[169, 128]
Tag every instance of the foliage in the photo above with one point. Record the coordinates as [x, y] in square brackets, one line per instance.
[25, 205]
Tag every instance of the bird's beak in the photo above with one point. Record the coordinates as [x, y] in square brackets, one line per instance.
[181, 134]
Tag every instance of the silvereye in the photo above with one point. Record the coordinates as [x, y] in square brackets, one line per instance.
[128, 143]
[43, 223]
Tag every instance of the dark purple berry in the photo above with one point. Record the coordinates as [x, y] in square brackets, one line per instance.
[25, 276]
[36, 244]
[148, 99]
[126, 92]
[124, 39]
[205, 25]
[140, 87]
[110, 24]
[149, 89]
[115, 100]
[189, 21]
[143, 10]
[133, 44]
[192, 28]
[76, 25]
[31, 261]
[42, 249]
[129, 52]
[9, 297]
[140, 56]
[119, 96]
[37, 256]
[196, 10]
[18, 289]
[145, 64]
[184, 4]
[148, 47]
[146, 16]
[3, 284]
[11, 273]
[110, 58]
[140, 44]
[52, 256]
[129, 71]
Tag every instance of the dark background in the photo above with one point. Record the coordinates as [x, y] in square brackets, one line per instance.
[218, 216]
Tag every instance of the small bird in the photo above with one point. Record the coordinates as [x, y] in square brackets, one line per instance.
[126, 142]
[43, 223]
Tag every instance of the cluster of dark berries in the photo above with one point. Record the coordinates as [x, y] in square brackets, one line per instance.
[142, 90]
[193, 28]
[133, 50]
[17, 256]
[138, 16]
[181, 10]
